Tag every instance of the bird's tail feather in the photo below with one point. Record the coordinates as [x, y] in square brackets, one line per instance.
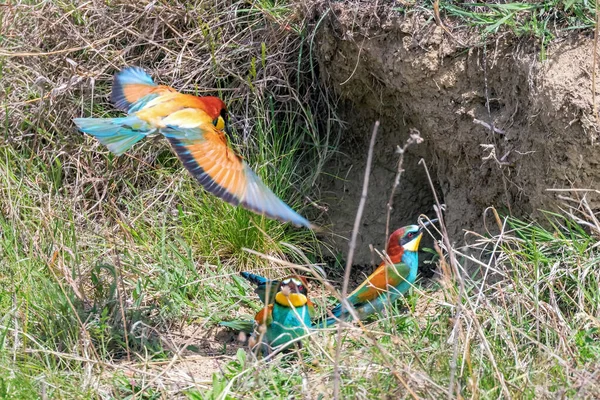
[337, 315]
[118, 134]
[326, 323]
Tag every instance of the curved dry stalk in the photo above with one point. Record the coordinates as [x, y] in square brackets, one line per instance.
[345, 304]
[414, 138]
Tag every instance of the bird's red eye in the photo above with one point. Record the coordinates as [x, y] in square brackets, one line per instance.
[410, 235]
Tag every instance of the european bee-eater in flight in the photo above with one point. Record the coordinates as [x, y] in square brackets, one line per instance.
[196, 127]
[389, 281]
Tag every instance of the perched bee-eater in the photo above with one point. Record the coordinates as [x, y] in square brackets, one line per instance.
[196, 127]
[388, 282]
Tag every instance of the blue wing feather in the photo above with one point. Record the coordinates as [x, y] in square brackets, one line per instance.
[128, 76]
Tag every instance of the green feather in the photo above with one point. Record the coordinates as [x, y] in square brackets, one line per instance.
[239, 325]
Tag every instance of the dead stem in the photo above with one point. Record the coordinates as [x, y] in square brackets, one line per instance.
[414, 138]
[345, 304]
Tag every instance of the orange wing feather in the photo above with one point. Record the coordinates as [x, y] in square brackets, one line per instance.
[135, 91]
[264, 316]
[375, 284]
[211, 159]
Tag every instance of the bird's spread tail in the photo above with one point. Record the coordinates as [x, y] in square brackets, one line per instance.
[118, 134]
[130, 85]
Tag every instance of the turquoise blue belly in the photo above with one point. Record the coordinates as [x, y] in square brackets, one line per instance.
[288, 324]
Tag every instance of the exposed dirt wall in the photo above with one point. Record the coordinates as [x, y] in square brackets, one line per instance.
[410, 73]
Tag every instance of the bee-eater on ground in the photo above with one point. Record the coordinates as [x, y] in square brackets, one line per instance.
[196, 128]
[288, 318]
[268, 291]
[388, 282]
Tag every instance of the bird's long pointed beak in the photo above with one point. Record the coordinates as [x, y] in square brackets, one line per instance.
[413, 245]
[427, 222]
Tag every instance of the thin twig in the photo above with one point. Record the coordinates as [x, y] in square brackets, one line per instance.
[490, 127]
[351, 248]
[446, 240]
[491, 123]
[414, 138]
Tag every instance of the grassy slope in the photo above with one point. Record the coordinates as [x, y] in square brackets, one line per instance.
[87, 239]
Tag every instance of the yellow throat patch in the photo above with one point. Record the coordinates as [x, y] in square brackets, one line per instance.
[293, 299]
[413, 245]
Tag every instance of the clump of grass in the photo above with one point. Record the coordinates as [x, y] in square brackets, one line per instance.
[543, 21]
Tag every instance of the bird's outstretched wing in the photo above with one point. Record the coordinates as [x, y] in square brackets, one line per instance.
[133, 88]
[205, 153]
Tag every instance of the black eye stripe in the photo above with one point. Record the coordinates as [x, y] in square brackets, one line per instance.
[409, 237]
[224, 114]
